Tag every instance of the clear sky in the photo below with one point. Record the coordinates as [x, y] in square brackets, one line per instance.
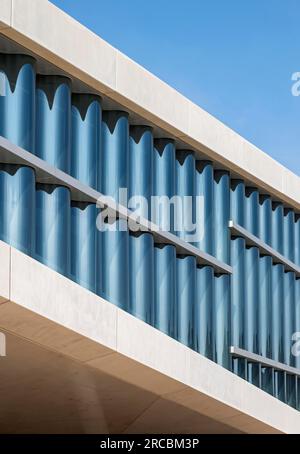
[235, 58]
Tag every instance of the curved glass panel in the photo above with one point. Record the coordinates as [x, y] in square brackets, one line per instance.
[237, 199]
[53, 222]
[53, 121]
[141, 169]
[17, 100]
[238, 297]
[222, 215]
[251, 310]
[289, 234]
[221, 321]
[277, 227]
[252, 211]
[297, 240]
[164, 183]
[17, 207]
[203, 311]
[83, 244]
[113, 264]
[185, 303]
[165, 288]
[205, 215]
[277, 328]
[142, 276]
[265, 319]
[114, 154]
[186, 191]
[265, 219]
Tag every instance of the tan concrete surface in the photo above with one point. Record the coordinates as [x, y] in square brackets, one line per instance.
[56, 314]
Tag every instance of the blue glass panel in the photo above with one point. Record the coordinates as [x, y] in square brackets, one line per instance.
[296, 349]
[114, 153]
[265, 319]
[164, 182]
[289, 234]
[251, 310]
[203, 311]
[185, 304]
[252, 211]
[288, 317]
[237, 197]
[17, 207]
[277, 227]
[221, 321]
[277, 328]
[265, 288]
[53, 219]
[141, 167]
[205, 216]
[265, 219]
[165, 288]
[53, 121]
[86, 139]
[222, 215]
[83, 244]
[291, 383]
[298, 394]
[297, 321]
[186, 190]
[297, 240]
[113, 264]
[142, 276]
[238, 297]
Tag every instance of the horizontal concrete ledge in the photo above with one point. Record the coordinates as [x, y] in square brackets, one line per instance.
[264, 249]
[45, 173]
[62, 316]
[137, 90]
[263, 361]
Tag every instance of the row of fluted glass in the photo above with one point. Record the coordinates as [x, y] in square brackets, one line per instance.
[274, 224]
[101, 149]
[265, 298]
[149, 280]
[71, 132]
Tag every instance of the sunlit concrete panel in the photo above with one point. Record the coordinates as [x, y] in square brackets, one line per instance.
[4, 271]
[5, 13]
[59, 36]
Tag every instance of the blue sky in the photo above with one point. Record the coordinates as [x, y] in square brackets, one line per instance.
[234, 58]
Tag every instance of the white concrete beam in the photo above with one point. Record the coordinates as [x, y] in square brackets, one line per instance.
[61, 300]
[4, 272]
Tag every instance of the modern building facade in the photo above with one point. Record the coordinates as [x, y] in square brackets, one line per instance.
[214, 318]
